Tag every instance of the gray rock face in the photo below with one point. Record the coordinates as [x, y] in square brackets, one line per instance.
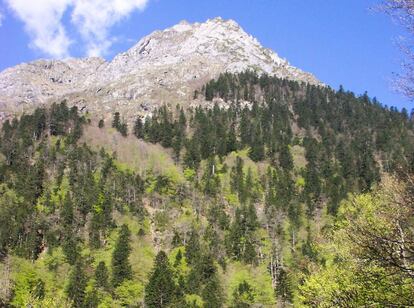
[163, 67]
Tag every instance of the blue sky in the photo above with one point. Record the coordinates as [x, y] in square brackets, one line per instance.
[341, 42]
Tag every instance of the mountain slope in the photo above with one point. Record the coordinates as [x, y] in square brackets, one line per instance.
[165, 66]
[233, 206]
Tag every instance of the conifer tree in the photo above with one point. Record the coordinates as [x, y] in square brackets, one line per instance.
[161, 289]
[139, 128]
[121, 269]
[101, 275]
[70, 247]
[192, 155]
[178, 258]
[212, 293]
[231, 141]
[243, 295]
[116, 122]
[67, 211]
[123, 129]
[77, 285]
[257, 146]
[210, 178]
[284, 287]
[192, 248]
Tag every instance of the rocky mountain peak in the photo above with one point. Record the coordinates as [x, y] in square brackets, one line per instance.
[165, 65]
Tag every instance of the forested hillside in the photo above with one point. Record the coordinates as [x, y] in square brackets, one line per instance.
[272, 193]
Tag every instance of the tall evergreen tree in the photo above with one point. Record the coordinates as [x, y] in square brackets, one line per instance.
[257, 145]
[139, 128]
[192, 248]
[121, 269]
[213, 293]
[102, 275]
[161, 288]
[77, 285]
[116, 122]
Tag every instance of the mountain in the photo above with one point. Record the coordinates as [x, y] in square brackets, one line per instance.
[165, 66]
[272, 191]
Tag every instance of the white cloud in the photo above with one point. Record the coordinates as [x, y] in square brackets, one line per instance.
[1, 18]
[93, 19]
[43, 22]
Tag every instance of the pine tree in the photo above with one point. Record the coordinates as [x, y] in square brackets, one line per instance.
[123, 129]
[70, 247]
[192, 154]
[257, 151]
[249, 255]
[192, 248]
[139, 128]
[284, 287]
[285, 158]
[77, 285]
[161, 288]
[178, 258]
[177, 144]
[212, 293]
[243, 295]
[231, 142]
[245, 128]
[101, 276]
[237, 177]
[67, 211]
[116, 122]
[211, 181]
[121, 269]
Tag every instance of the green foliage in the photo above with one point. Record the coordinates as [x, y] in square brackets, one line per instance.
[11, 221]
[76, 288]
[160, 290]
[366, 264]
[192, 248]
[243, 295]
[245, 201]
[139, 128]
[119, 125]
[28, 288]
[102, 276]
[212, 293]
[121, 268]
[129, 293]
[240, 240]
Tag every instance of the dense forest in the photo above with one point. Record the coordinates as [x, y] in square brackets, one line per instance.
[271, 193]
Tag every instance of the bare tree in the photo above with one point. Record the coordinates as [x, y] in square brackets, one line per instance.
[403, 12]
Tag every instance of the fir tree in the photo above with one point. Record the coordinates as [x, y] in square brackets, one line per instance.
[178, 258]
[192, 248]
[160, 290]
[70, 247]
[116, 122]
[284, 287]
[121, 269]
[139, 128]
[257, 151]
[123, 129]
[67, 211]
[243, 295]
[212, 293]
[101, 275]
[77, 285]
